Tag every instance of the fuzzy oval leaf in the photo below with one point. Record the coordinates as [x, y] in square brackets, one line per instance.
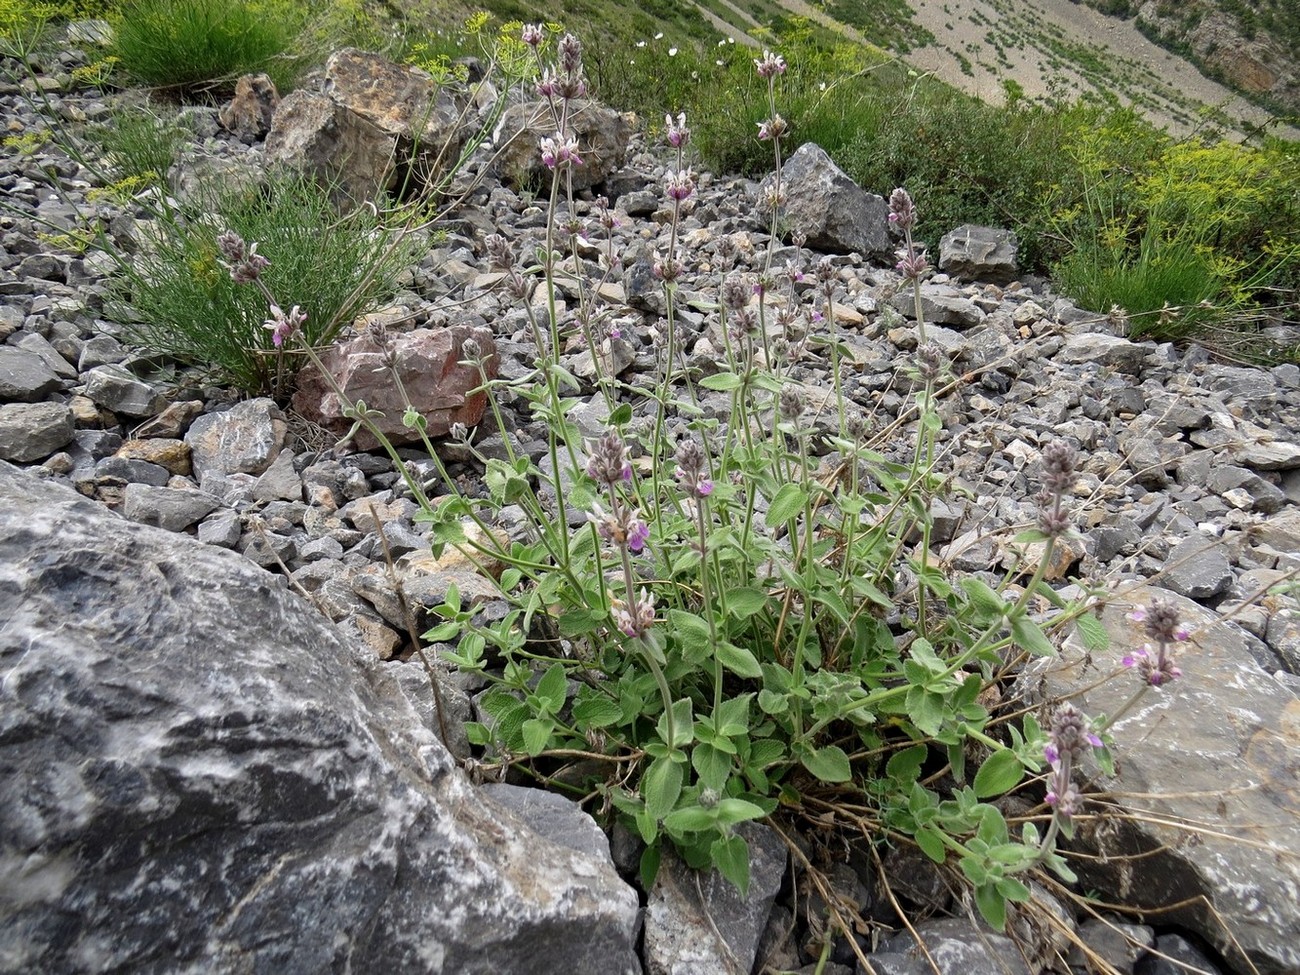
[745, 602]
[537, 733]
[661, 785]
[690, 819]
[1093, 632]
[1031, 637]
[787, 503]
[731, 856]
[738, 660]
[828, 764]
[722, 382]
[999, 774]
[596, 712]
[927, 838]
[983, 598]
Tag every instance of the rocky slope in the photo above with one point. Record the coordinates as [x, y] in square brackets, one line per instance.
[1190, 487]
[1228, 41]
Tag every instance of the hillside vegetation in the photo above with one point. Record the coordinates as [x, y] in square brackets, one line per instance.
[1252, 45]
[1186, 235]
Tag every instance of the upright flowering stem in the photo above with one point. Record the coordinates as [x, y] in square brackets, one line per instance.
[634, 615]
[769, 67]
[693, 473]
[1069, 739]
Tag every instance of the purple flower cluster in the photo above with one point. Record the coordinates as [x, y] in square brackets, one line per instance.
[1069, 738]
[693, 469]
[246, 265]
[1155, 663]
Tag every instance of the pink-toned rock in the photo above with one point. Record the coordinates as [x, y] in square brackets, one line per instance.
[429, 363]
[248, 115]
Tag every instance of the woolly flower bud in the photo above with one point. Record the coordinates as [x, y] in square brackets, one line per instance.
[902, 211]
[929, 361]
[679, 185]
[912, 265]
[547, 84]
[608, 463]
[471, 351]
[231, 246]
[1161, 621]
[639, 617]
[692, 468]
[532, 34]
[570, 54]
[770, 65]
[283, 325]
[735, 293]
[556, 154]
[790, 403]
[1069, 734]
[1059, 459]
[825, 270]
[677, 132]
[772, 128]
[500, 253]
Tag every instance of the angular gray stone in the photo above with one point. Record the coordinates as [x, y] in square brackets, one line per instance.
[984, 254]
[249, 112]
[222, 529]
[33, 431]
[1264, 496]
[374, 120]
[680, 928]
[115, 388]
[244, 439]
[602, 135]
[164, 507]
[958, 947]
[823, 203]
[198, 774]
[548, 814]
[1104, 350]
[1198, 568]
[1220, 745]
[940, 306]
[25, 376]
[37, 344]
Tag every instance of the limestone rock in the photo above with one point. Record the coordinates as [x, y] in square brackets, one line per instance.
[1104, 350]
[32, 431]
[249, 113]
[245, 439]
[116, 388]
[374, 121]
[681, 929]
[985, 254]
[164, 507]
[602, 135]
[823, 203]
[1220, 745]
[197, 773]
[429, 362]
[25, 376]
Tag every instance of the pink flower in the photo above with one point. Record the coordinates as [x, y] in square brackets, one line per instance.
[532, 34]
[283, 326]
[770, 65]
[678, 133]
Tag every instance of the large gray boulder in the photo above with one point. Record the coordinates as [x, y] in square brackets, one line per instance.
[198, 774]
[1205, 812]
[834, 213]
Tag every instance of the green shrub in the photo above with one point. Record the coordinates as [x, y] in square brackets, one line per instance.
[189, 46]
[176, 297]
[139, 144]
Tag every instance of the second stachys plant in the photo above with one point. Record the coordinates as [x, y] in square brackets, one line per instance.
[707, 623]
